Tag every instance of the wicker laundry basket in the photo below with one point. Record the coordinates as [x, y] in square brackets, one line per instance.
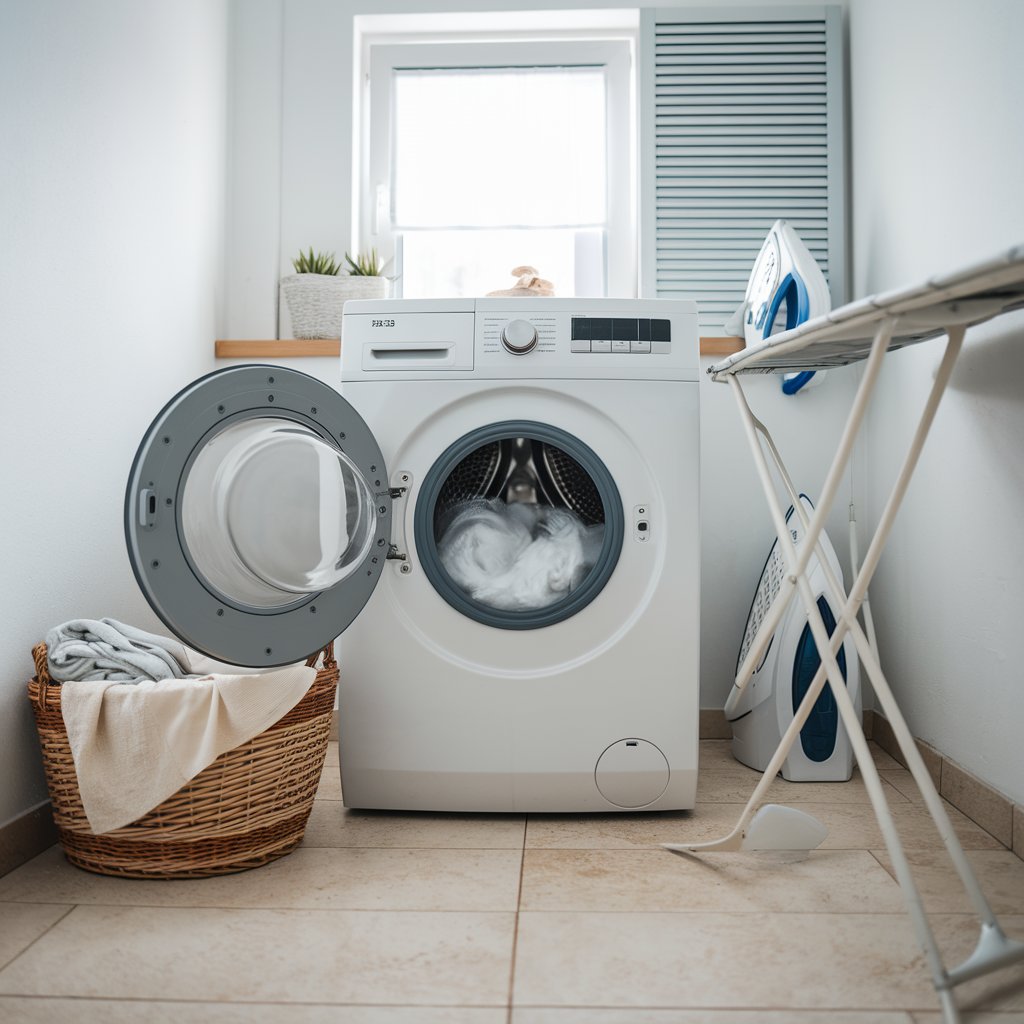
[246, 809]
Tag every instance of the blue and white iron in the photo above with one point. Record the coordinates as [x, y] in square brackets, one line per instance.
[784, 271]
[766, 707]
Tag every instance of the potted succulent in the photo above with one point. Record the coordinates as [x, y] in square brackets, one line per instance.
[316, 293]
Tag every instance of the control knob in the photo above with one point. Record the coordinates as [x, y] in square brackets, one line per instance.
[519, 337]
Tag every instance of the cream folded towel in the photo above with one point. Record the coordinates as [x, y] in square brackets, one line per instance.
[136, 744]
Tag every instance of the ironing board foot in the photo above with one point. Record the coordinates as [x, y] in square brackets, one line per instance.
[993, 951]
[773, 827]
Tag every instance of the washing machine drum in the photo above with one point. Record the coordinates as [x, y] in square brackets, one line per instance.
[257, 515]
[567, 483]
[490, 470]
[518, 524]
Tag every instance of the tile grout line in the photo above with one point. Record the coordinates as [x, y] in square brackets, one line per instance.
[887, 869]
[252, 907]
[412, 910]
[45, 931]
[515, 926]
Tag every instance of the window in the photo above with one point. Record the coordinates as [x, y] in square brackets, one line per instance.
[484, 156]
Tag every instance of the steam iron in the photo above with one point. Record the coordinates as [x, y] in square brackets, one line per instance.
[784, 272]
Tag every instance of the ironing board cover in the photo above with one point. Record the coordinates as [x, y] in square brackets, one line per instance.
[969, 296]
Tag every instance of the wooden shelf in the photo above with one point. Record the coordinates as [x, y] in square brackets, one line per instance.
[286, 348]
[291, 348]
[721, 346]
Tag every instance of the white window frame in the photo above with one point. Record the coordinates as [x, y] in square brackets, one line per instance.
[614, 55]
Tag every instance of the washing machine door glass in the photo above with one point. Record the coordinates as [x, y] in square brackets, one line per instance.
[271, 510]
[519, 525]
[258, 515]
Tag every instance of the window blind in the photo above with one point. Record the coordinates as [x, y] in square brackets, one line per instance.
[743, 125]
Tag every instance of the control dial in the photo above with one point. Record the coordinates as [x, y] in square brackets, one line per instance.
[519, 337]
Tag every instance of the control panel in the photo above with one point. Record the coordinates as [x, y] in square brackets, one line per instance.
[519, 336]
[620, 334]
[515, 338]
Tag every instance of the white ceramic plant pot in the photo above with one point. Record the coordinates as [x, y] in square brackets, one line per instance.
[316, 301]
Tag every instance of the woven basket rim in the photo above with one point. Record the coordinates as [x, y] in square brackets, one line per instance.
[43, 677]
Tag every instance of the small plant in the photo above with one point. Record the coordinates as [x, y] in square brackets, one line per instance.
[317, 263]
[364, 265]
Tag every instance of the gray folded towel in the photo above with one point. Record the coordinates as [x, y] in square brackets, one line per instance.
[92, 649]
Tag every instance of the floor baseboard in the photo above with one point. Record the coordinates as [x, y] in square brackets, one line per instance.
[26, 836]
[984, 805]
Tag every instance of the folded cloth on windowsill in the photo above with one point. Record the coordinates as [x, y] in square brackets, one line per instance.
[137, 743]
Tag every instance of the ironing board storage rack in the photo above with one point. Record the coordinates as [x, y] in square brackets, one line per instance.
[868, 330]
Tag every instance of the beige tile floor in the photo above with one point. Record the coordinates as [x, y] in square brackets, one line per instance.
[385, 918]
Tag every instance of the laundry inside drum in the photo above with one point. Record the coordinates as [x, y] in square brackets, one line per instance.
[519, 524]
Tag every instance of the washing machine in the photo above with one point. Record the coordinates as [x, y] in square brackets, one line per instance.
[497, 511]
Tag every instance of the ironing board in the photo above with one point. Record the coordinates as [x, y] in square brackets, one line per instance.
[868, 330]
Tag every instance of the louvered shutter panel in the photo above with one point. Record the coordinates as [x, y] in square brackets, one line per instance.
[744, 126]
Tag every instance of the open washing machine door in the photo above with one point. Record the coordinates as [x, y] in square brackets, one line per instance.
[258, 515]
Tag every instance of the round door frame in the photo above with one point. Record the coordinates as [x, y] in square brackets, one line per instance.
[426, 542]
[201, 617]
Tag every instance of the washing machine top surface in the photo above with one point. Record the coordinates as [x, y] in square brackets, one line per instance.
[520, 338]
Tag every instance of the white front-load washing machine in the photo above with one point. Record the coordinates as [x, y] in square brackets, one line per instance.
[498, 509]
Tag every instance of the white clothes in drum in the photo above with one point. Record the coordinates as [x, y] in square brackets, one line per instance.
[518, 556]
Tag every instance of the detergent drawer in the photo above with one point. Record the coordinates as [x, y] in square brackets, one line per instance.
[395, 340]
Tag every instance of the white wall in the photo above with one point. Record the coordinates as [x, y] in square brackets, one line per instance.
[112, 142]
[938, 174]
[255, 157]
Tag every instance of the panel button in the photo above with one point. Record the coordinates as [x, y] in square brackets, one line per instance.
[581, 330]
[580, 345]
[639, 346]
[600, 345]
[623, 330]
[661, 330]
[620, 345]
[601, 329]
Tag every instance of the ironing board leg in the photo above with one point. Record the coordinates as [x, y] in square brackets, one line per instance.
[831, 485]
[752, 428]
[828, 668]
[796, 561]
[873, 784]
[994, 950]
[836, 591]
[866, 650]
